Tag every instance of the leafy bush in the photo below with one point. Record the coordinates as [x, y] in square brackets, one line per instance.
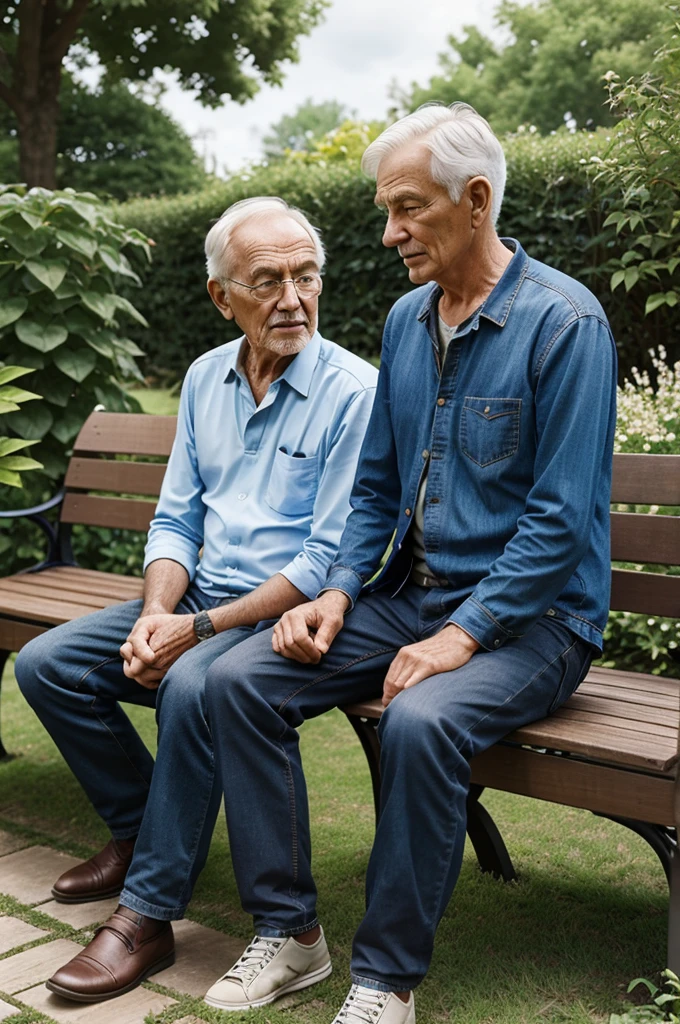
[552, 205]
[664, 1004]
[11, 464]
[60, 312]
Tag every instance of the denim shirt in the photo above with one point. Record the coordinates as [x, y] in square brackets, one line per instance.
[262, 488]
[518, 433]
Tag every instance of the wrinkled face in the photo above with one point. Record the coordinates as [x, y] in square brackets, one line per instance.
[271, 247]
[429, 230]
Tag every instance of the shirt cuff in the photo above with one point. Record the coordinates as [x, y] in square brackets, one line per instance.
[186, 555]
[347, 580]
[480, 624]
[300, 573]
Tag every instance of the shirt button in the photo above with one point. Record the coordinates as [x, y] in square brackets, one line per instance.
[550, 611]
[426, 454]
[242, 496]
[407, 511]
[496, 643]
[441, 401]
[487, 408]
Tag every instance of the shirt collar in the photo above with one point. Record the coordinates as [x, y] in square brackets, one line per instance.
[497, 305]
[299, 372]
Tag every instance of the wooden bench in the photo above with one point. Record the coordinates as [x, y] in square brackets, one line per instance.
[613, 747]
[100, 489]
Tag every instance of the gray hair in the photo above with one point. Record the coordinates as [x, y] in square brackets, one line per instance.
[219, 237]
[461, 142]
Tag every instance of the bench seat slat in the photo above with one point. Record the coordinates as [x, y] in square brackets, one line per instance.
[24, 588]
[625, 693]
[115, 513]
[666, 732]
[42, 609]
[125, 588]
[15, 635]
[650, 714]
[646, 479]
[93, 575]
[121, 477]
[604, 677]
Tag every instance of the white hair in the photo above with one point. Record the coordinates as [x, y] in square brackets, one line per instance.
[218, 240]
[461, 142]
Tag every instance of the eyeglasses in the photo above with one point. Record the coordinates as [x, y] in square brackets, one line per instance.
[306, 285]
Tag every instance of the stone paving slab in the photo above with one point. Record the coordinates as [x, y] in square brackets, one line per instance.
[7, 1010]
[80, 915]
[14, 932]
[29, 875]
[203, 956]
[38, 964]
[131, 1008]
[9, 843]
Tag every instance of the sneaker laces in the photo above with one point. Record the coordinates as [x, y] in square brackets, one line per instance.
[255, 958]
[362, 1006]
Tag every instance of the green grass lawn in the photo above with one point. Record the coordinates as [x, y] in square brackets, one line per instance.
[588, 913]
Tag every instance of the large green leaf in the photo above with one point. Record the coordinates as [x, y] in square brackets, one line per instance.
[44, 337]
[13, 444]
[67, 426]
[6, 406]
[8, 373]
[127, 306]
[8, 393]
[76, 363]
[103, 305]
[32, 423]
[12, 309]
[19, 462]
[8, 477]
[28, 245]
[79, 241]
[49, 272]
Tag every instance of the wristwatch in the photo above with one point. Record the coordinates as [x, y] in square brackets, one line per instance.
[203, 627]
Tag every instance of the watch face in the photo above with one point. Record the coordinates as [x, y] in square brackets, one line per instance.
[203, 627]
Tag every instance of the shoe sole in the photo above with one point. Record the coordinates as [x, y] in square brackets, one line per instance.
[292, 986]
[79, 997]
[86, 897]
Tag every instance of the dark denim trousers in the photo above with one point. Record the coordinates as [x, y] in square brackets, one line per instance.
[72, 676]
[257, 699]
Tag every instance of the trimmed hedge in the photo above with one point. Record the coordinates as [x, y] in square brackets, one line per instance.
[551, 206]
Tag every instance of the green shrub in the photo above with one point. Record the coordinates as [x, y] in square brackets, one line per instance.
[552, 205]
[61, 265]
[11, 464]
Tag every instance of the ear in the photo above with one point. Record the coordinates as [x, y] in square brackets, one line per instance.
[480, 194]
[220, 296]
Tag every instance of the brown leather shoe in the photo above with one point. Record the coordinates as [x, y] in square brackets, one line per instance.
[125, 951]
[99, 877]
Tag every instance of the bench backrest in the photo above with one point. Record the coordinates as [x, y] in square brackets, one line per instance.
[638, 538]
[128, 483]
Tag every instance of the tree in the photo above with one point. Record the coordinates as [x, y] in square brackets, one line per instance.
[302, 129]
[551, 69]
[113, 143]
[217, 47]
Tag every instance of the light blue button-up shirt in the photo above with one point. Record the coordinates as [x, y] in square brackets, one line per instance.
[262, 488]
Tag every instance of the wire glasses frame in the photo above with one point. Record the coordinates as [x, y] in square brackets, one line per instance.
[306, 286]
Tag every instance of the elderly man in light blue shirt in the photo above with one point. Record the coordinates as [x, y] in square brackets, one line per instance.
[251, 511]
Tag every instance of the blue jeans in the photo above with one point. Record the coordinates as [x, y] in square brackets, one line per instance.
[257, 700]
[72, 676]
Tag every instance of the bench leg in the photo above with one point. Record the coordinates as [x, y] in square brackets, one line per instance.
[663, 841]
[486, 840]
[4, 655]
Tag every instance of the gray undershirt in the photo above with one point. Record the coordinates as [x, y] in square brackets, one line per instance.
[445, 333]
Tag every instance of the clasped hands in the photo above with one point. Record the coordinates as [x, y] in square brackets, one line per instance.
[155, 643]
[305, 634]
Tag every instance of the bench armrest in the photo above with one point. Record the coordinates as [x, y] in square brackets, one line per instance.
[36, 510]
[35, 515]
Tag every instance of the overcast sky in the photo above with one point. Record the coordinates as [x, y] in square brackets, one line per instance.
[353, 56]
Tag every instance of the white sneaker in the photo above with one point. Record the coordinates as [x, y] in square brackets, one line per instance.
[270, 968]
[370, 1006]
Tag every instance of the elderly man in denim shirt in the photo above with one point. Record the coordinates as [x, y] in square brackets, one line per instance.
[487, 464]
[268, 436]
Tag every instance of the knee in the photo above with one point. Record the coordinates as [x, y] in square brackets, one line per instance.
[418, 728]
[226, 682]
[29, 667]
[181, 693]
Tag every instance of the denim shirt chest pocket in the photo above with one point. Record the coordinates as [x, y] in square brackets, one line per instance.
[292, 484]
[489, 428]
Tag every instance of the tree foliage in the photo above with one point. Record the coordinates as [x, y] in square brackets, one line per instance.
[644, 161]
[113, 143]
[301, 130]
[218, 48]
[344, 144]
[550, 71]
